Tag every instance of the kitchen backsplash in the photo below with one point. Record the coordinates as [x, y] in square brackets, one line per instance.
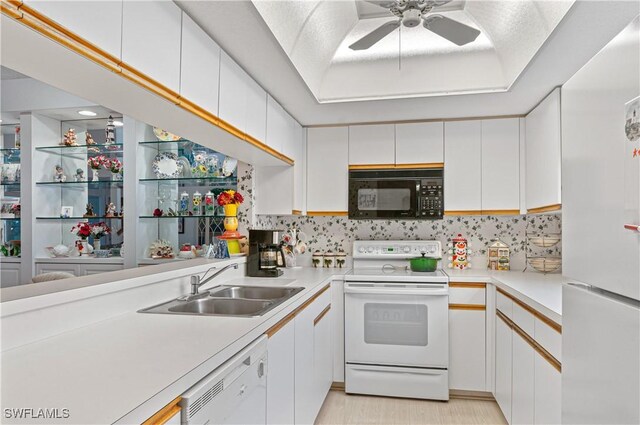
[334, 233]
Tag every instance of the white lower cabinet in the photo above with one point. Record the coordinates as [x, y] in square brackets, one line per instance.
[9, 274]
[467, 354]
[76, 269]
[522, 406]
[547, 394]
[301, 364]
[503, 367]
[281, 376]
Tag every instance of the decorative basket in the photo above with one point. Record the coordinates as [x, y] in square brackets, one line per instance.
[545, 264]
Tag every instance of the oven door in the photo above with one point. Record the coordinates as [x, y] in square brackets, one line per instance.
[397, 324]
[383, 198]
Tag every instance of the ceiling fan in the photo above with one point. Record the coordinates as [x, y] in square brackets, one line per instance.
[410, 14]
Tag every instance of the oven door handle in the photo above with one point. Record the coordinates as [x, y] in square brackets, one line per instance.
[439, 290]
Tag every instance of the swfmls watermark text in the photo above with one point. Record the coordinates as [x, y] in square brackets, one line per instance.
[36, 413]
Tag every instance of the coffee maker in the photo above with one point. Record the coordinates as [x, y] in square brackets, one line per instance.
[265, 253]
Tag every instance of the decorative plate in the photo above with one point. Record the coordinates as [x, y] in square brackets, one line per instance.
[164, 135]
[166, 166]
[229, 166]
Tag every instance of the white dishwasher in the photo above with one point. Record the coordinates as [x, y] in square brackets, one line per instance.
[235, 393]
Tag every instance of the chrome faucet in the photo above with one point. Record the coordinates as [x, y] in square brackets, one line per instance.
[197, 281]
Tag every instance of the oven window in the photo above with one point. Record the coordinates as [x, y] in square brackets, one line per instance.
[385, 199]
[396, 324]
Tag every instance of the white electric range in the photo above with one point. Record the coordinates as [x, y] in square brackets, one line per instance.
[396, 322]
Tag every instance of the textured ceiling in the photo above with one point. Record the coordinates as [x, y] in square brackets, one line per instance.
[410, 62]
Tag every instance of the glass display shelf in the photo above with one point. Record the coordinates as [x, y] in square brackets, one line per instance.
[85, 183]
[164, 144]
[9, 218]
[9, 150]
[215, 217]
[81, 218]
[219, 180]
[9, 183]
[82, 149]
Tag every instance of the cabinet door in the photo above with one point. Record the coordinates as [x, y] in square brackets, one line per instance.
[9, 275]
[278, 127]
[98, 22]
[233, 92]
[281, 376]
[467, 352]
[548, 390]
[337, 315]
[372, 144]
[503, 367]
[256, 110]
[61, 267]
[200, 66]
[89, 269]
[522, 407]
[462, 166]
[543, 153]
[299, 168]
[327, 180]
[420, 143]
[501, 165]
[322, 355]
[151, 40]
[274, 202]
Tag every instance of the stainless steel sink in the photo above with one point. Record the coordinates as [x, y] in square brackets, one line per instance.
[253, 292]
[239, 301]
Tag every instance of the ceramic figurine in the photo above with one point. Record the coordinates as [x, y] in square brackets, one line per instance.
[498, 255]
[89, 212]
[59, 175]
[88, 139]
[110, 132]
[110, 210]
[459, 250]
[79, 175]
[70, 138]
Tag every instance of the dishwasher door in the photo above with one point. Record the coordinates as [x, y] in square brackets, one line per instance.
[235, 393]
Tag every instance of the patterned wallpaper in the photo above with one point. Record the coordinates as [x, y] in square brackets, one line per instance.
[336, 233]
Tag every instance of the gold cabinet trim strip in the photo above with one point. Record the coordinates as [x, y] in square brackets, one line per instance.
[163, 415]
[421, 165]
[467, 307]
[321, 315]
[532, 342]
[338, 213]
[467, 284]
[61, 35]
[482, 212]
[282, 323]
[553, 325]
[547, 208]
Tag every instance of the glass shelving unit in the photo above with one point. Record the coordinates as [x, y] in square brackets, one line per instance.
[97, 149]
[117, 183]
[81, 218]
[10, 176]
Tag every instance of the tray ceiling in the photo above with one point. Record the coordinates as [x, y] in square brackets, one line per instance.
[412, 62]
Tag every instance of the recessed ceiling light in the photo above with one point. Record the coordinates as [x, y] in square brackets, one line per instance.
[118, 123]
[87, 113]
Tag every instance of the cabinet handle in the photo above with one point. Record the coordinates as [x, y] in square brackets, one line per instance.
[321, 315]
[632, 227]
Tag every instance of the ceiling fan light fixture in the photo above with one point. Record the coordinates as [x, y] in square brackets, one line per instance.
[411, 18]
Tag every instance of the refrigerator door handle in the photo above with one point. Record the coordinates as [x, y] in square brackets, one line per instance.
[632, 227]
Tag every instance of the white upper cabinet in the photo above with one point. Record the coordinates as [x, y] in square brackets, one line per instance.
[233, 92]
[462, 166]
[256, 110]
[372, 144]
[200, 66]
[299, 168]
[501, 164]
[327, 169]
[279, 127]
[420, 143]
[99, 22]
[151, 39]
[543, 153]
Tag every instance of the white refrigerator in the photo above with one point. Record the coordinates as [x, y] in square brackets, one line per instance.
[601, 237]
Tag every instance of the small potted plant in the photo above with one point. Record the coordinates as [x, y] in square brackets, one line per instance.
[115, 166]
[15, 210]
[82, 230]
[99, 230]
[229, 200]
[95, 163]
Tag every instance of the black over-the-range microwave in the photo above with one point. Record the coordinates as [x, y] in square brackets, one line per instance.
[393, 194]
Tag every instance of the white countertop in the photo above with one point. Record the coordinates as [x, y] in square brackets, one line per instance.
[104, 371]
[543, 292]
[80, 259]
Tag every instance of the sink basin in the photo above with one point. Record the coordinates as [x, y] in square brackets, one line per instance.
[231, 307]
[253, 292]
[237, 301]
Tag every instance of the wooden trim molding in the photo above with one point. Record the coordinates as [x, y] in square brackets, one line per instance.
[321, 315]
[552, 324]
[296, 212]
[461, 212]
[424, 165]
[163, 415]
[471, 395]
[337, 386]
[51, 29]
[547, 208]
[337, 213]
[467, 307]
[467, 284]
[281, 324]
[312, 299]
[500, 212]
[532, 342]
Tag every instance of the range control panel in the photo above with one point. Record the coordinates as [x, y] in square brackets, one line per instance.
[396, 249]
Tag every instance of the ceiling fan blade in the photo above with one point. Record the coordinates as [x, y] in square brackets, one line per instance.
[382, 3]
[374, 36]
[453, 31]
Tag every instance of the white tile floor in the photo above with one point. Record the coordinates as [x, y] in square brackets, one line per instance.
[340, 408]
